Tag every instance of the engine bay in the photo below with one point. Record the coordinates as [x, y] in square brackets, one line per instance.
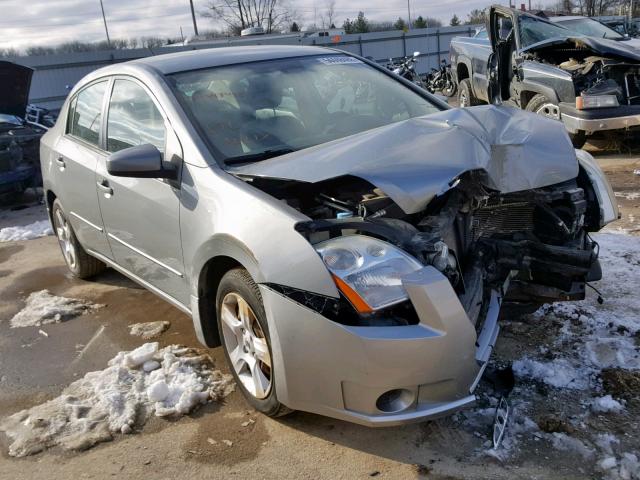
[477, 237]
[592, 72]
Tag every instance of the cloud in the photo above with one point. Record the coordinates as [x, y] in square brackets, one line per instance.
[47, 22]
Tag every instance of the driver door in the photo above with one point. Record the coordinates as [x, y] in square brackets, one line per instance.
[502, 35]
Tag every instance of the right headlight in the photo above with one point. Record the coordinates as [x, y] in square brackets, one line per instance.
[367, 271]
[606, 198]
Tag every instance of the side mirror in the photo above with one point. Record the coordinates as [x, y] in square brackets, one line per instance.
[141, 161]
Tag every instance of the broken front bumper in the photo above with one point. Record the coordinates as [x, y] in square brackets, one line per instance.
[597, 120]
[381, 376]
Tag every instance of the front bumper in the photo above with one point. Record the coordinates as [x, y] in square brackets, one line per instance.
[597, 120]
[339, 371]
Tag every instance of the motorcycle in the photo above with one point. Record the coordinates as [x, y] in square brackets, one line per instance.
[441, 80]
[406, 68]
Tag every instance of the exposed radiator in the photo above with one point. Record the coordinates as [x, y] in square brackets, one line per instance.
[502, 218]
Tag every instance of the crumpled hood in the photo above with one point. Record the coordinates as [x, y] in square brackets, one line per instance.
[15, 81]
[414, 160]
[602, 46]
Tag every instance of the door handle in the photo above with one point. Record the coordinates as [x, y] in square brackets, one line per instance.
[60, 162]
[104, 186]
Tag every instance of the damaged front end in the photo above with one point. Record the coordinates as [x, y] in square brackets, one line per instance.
[423, 273]
[478, 238]
[602, 90]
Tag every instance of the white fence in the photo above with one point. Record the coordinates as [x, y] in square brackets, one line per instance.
[55, 75]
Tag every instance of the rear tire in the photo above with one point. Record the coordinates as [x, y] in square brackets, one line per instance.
[244, 332]
[466, 98]
[80, 263]
[543, 106]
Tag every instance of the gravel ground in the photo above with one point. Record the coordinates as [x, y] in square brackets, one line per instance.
[555, 432]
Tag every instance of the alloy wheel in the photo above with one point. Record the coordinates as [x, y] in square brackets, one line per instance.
[63, 232]
[246, 345]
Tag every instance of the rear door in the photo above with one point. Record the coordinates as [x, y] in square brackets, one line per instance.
[141, 215]
[76, 155]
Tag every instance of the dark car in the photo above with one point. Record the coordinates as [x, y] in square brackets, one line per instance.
[19, 138]
[590, 84]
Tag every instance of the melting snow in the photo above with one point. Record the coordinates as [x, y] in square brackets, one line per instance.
[41, 228]
[149, 330]
[591, 337]
[602, 336]
[628, 195]
[606, 404]
[42, 308]
[117, 399]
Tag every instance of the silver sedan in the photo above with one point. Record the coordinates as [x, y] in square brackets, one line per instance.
[347, 238]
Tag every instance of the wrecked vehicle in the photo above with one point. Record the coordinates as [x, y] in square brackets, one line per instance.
[346, 237]
[19, 138]
[590, 84]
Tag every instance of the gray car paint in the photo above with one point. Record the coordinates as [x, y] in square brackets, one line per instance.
[408, 162]
[216, 215]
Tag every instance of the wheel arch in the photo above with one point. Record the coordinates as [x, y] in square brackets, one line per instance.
[215, 258]
[530, 90]
[462, 71]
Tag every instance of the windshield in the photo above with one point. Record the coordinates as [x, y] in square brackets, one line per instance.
[591, 28]
[254, 111]
[534, 30]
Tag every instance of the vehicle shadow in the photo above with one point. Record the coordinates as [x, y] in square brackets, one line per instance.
[418, 444]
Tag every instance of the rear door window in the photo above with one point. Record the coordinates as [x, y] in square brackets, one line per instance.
[133, 118]
[85, 113]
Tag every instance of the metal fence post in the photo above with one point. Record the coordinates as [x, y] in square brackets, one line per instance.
[360, 44]
[404, 44]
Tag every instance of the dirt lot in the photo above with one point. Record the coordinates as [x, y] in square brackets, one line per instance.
[555, 431]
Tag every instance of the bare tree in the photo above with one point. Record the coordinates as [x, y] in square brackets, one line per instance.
[240, 14]
[328, 17]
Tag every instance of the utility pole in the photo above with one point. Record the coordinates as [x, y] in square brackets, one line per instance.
[409, 13]
[104, 19]
[193, 16]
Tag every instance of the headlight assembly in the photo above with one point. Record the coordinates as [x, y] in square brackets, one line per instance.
[585, 102]
[367, 271]
[606, 198]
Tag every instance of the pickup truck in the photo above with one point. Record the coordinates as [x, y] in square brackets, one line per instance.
[590, 84]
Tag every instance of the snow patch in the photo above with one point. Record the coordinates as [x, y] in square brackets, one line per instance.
[40, 228]
[627, 195]
[606, 404]
[564, 442]
[42, 308]
[593, 336]
[114, 400]
[117, 399]
[149, 330]
[558, 373]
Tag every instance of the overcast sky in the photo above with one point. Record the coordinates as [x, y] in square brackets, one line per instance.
[48, 22]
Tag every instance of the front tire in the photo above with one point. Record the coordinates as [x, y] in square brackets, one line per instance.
[244, 332]
[543, 106]
[465, 94]
[80, 263]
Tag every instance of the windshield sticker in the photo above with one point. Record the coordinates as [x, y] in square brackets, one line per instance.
[338, 60]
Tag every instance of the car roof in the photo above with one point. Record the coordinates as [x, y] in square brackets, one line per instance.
[215, 57]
